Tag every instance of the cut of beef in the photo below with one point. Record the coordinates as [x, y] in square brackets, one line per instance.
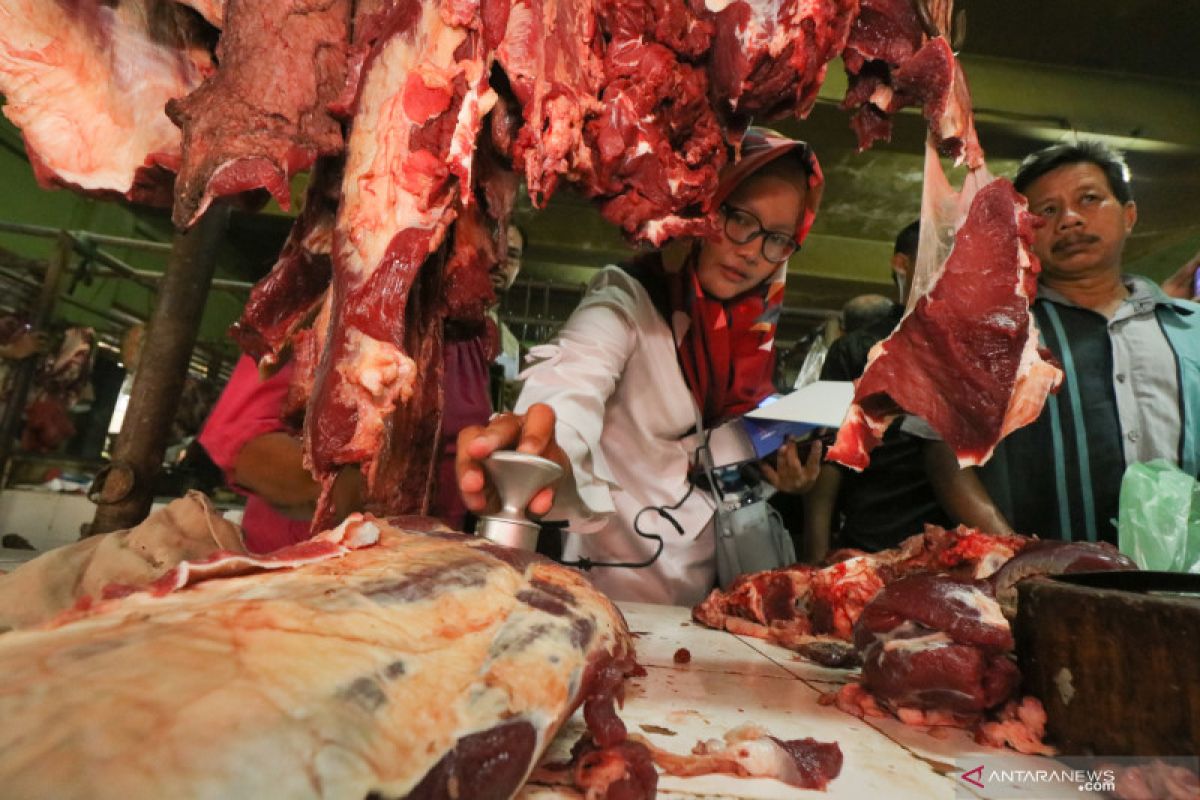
[418, 113]
[749, 751]
[768, 57]
[284, 300]
[1054, 558]
[812, 610]
[966, 357]
[656, 143]
[311, 673]
[549, 54]
[933, 642]
[893, 62]
[264, 115]
[86, 83]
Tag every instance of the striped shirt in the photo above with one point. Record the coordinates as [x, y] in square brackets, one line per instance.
[1120, 403]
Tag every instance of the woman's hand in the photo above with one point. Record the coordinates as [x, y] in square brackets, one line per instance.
[790, 474]
[532, 432]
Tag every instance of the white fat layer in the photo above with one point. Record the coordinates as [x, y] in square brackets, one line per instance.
[375, 204]
[988, 609]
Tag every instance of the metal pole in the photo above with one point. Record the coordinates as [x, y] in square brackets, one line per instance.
[124, 489]
[85, 236]
[26, 369]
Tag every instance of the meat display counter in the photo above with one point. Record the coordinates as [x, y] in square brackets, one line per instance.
[731, 681]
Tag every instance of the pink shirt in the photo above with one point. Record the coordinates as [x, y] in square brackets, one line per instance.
[248, 408]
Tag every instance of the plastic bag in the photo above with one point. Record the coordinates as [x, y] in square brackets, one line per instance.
[1159, 519]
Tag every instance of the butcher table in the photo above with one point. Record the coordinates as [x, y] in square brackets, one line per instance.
[733, 680]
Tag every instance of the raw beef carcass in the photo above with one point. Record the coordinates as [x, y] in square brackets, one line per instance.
[932, 642]
[86, 82]
[418, 111]
[966, 357]
[283, 301]
[417, 666]
[264, 115]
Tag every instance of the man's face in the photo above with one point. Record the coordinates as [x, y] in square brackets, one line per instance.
[504, 273]
[1085, 224]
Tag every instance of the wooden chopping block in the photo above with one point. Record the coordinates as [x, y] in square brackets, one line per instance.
[1115, 659]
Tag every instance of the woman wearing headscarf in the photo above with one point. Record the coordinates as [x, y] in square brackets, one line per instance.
[679, 332]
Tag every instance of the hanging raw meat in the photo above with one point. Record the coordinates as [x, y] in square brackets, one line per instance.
[86, 82]
[965, 357]
[264, 115]
[284, 300]
[418, 110]
[311, 673]
[768, 58]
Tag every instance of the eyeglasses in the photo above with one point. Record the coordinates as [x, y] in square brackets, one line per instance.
[741, 227]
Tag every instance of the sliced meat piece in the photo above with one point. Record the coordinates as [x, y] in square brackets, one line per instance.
[295, 287]
[750, 752]
[892, 62]
[264, 115]
[314, 679]
[966, 357]
[86, 82]
[931, 642]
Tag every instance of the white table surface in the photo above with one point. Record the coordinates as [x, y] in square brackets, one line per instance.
[732, 680]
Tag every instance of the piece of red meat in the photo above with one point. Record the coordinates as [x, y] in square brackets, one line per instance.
[892, 63]
[966, 357]
[86, 82]
[1052, 557]
[768, 58]
[264, 115]
[551, 56]
[935, 642]
[417, 115]
[288, 296]
[657, 145]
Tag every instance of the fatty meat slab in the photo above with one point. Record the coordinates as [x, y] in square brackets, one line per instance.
[400, 664]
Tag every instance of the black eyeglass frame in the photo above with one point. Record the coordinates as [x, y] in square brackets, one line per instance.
[762, 231]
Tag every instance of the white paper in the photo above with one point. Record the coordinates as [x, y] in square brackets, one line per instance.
[822, 404]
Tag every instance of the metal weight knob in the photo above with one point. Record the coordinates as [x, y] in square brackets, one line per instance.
[517, 478]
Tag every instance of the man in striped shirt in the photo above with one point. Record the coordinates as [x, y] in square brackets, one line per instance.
[1130, 353]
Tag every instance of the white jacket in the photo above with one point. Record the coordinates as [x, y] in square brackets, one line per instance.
[614, 382]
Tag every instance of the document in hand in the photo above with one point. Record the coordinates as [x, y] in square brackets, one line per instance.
[818, 405]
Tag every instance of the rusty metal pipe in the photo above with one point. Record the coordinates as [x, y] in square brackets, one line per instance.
[26, 369]
[124, 490]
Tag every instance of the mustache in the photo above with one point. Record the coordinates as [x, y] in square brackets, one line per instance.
[1085, 238]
